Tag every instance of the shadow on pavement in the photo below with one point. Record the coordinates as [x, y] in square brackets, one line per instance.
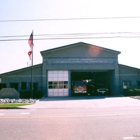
[75, 98]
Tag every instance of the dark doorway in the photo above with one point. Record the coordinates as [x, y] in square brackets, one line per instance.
[94, 81]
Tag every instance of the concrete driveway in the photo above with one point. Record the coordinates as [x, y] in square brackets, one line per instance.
[85, 102]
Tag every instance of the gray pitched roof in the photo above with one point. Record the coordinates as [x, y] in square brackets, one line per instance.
[128, 67]
[77, 44]
[20, 70]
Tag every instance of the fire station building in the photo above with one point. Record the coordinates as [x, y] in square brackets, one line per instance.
[64, 65]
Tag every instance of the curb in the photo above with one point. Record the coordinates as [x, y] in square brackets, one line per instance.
[9, 107]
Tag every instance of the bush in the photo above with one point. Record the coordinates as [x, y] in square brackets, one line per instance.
[27, 94]
[37, 94]
[131, 92]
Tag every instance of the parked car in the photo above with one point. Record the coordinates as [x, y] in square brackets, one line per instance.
[102, 91]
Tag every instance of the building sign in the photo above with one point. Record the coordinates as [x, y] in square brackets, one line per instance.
[79, 60]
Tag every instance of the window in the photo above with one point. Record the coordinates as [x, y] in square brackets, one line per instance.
[23, 85]
[58, 84]
[126, 84]
[65, 84]
[2, 85]
[14, 85]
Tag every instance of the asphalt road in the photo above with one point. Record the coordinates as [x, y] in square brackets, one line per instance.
[72, 123]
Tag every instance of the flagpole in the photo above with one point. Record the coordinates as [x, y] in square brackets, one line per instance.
[32, 73]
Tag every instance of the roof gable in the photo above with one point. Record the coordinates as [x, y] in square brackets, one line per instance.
[80, 49]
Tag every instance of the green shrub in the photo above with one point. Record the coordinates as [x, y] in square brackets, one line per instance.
[126, 92]
[27, 94]
[131, 92]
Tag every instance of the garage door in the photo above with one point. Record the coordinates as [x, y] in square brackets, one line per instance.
[57, 83]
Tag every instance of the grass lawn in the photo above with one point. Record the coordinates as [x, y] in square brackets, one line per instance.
[14, 104]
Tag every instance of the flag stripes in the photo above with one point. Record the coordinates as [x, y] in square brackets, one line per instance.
[31, 44]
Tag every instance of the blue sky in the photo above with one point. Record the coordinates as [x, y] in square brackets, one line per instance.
[13, 54]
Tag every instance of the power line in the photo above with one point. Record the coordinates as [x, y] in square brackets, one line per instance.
[51, 19]
[74, 34]
[101, 37]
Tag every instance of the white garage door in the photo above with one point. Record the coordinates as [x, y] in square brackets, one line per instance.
[57, 83]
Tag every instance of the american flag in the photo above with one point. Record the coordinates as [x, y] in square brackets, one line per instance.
[31, 44]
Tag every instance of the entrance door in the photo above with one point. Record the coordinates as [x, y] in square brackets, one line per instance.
[57, 83]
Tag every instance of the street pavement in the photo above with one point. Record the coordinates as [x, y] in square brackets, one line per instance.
[73, 118]
[85, 102]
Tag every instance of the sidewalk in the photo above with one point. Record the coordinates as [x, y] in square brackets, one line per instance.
[84, 102]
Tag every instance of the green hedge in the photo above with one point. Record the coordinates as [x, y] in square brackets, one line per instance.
[27, 94]
[131, 92]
